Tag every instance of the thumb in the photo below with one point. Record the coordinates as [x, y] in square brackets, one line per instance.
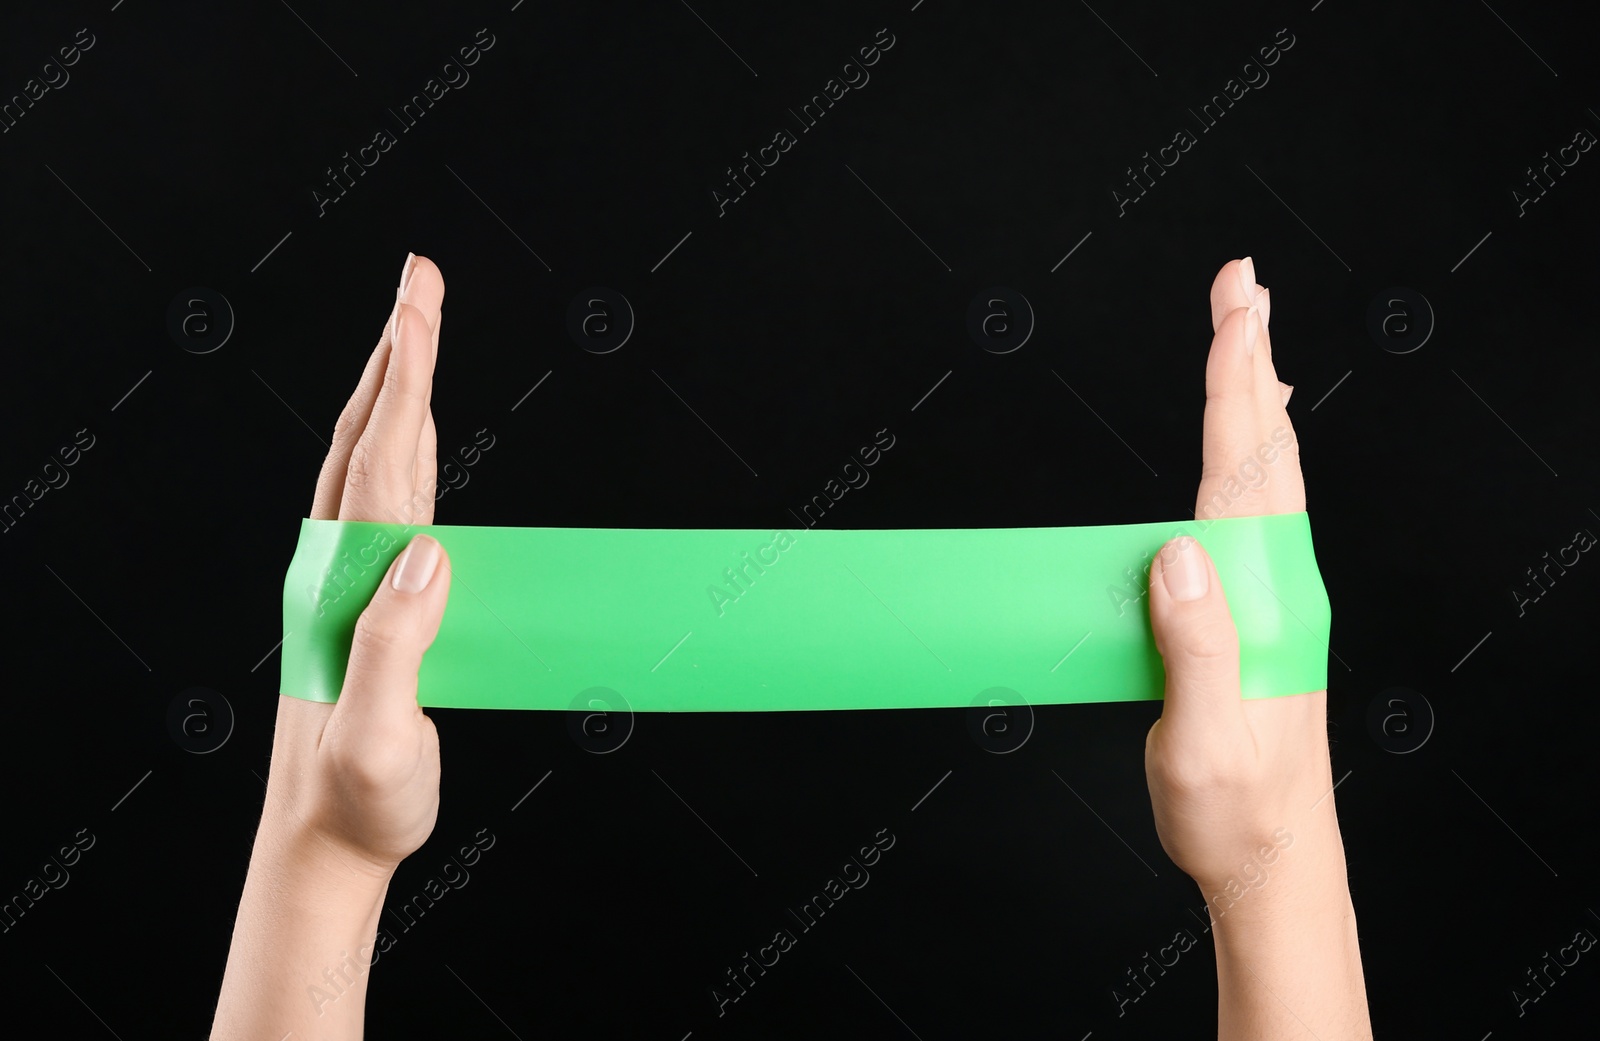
[1199, 645]
[393, 632]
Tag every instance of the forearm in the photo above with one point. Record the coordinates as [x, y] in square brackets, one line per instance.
[1288, 961]
[302, 943]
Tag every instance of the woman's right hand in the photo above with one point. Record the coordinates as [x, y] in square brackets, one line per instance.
[1242, 791]
[1228, 775]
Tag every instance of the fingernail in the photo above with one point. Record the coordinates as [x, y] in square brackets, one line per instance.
[1247, 277]
[405, 272]
[1264, 301]
[416, 565]
[1186, 577]
[1252, 326]
[1287, 390]
[394, 326]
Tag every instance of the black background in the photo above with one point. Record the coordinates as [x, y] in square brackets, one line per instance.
[188, 143]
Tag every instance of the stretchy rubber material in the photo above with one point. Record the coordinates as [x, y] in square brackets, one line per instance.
[698, 620]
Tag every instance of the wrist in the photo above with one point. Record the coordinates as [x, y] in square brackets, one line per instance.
[314, 873]
[294, 827]
[1295, 935]
[303, 938]
[1301, 877]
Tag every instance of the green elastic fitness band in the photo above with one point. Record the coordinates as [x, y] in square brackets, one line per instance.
[749, 620]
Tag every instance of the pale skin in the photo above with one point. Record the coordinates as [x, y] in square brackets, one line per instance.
[1226, 774]
[354, 786]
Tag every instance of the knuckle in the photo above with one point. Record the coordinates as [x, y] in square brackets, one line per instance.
[364, 468]
[369, 766]
[366, 756]
[344, 428]
[388, 757]
[1214, 641]
[378, 635]
[1184, 775]
[1198, 775]
[330, 471]
[405, 386]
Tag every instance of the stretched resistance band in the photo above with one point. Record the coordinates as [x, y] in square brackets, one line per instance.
[712, 620]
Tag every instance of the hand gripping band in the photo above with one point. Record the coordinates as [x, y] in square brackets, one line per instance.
[749, 620]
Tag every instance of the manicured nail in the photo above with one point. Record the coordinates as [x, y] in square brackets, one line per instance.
[405, 273]
[1247, 278]
[394, 326]
[1252, 327]
[1286, 390]
[1264, 301]
[1186, 577]
[417, 565]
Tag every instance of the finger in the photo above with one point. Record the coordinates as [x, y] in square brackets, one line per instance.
[378, 476]
[399, 624]
[1199, 645]
[352, 421]
[358, 410]
[436, 327]
[1250, 462]
[424, 288]
[1234, 287]
[1276, 447]
[1233, 422]
[426, 480]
